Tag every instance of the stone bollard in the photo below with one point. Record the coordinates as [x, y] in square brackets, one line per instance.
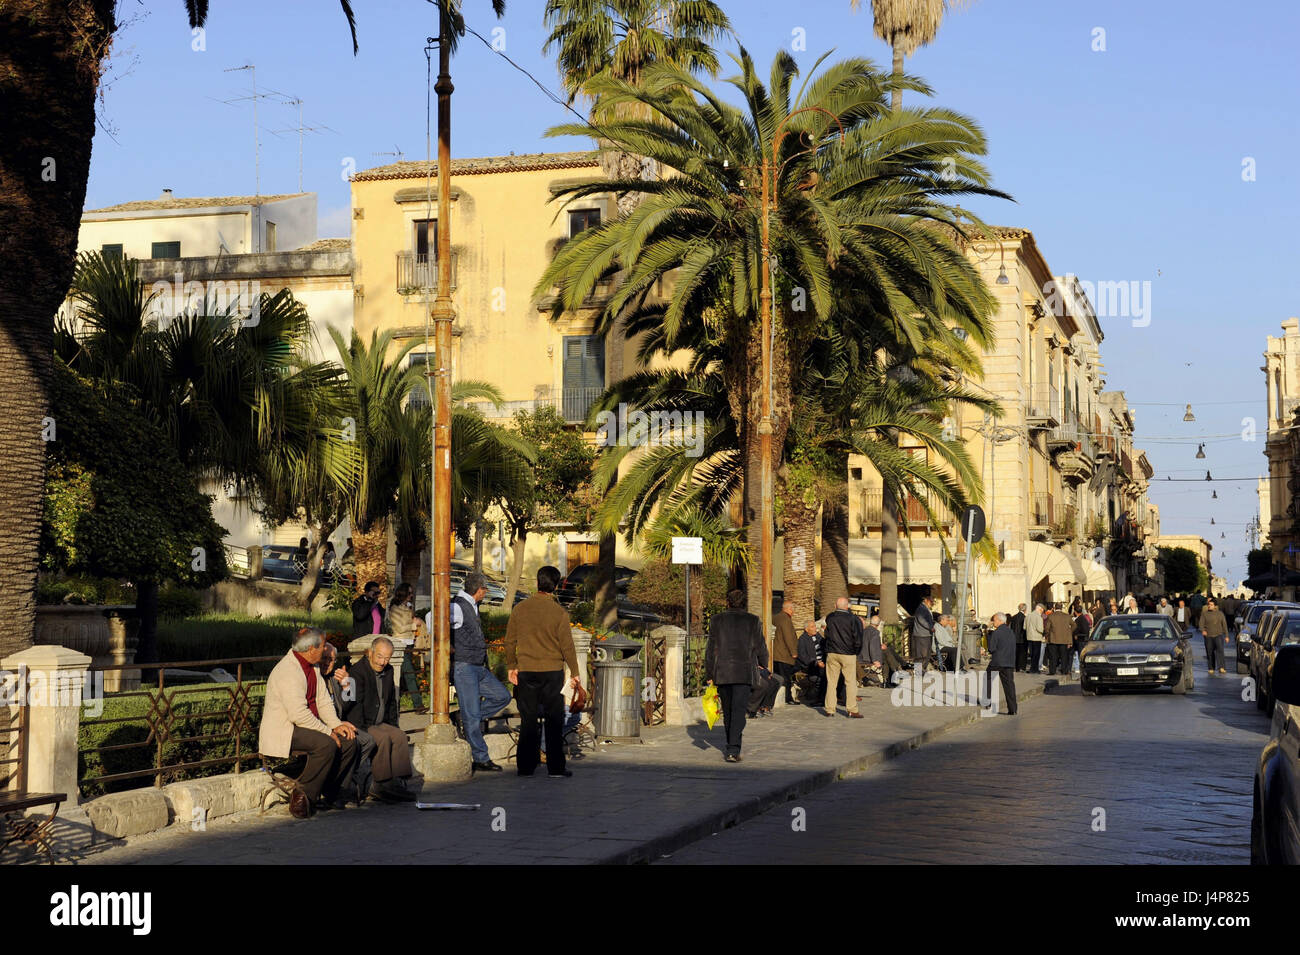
[51, 684]
[581, 647]
[674, 639]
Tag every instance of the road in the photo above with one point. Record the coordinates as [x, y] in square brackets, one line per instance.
[1134, 778]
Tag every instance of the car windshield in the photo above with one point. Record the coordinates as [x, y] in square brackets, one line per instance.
[1253, 615]
[1133, 628]
[1292, 634]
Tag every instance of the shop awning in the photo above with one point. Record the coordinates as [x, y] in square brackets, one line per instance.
[1097, 577]
[921, 563]
[1058, 566]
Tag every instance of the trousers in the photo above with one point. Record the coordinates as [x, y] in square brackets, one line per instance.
[540, 690]
[329, 764]
[1008, 676]
[735, 702]
[392, 757]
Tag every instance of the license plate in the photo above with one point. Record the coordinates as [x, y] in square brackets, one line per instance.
[1126, 671]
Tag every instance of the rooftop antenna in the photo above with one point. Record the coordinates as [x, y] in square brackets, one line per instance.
[300, 129]
[397, 152]
[257, 138]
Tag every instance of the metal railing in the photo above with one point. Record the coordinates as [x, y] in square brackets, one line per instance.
[419, 273]
[913, 511]
[575, 403]
[1042, 510]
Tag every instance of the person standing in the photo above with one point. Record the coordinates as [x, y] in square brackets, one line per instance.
[1060, 635]
[1214, 627]
[1002, 660]
[1165, 608]
[539, 644]
[785, 648]
[735, 651]
[1182, 616]
[843, 644]
[400, 624]
[367, 612]
[1017, 625]
[923, 632]
[480, 694]
[1034, 639]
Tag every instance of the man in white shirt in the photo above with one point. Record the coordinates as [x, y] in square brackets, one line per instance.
[1034, 639]
[945, 641]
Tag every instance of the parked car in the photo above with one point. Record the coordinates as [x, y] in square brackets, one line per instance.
[570, 589]
[1135, 650]
[1275, 821]
[279, 563]
[1278, 628]
[1249, 627]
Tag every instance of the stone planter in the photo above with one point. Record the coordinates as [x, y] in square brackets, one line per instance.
[106, 634]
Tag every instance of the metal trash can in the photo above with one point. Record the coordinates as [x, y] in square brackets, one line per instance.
[618, 668]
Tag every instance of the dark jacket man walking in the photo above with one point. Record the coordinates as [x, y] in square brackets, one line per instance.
[735, 651]
[1214, 627]
[1002, 660]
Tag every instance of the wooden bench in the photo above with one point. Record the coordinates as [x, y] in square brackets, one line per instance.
[32, 831]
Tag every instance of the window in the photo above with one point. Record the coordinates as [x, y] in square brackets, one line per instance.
[425, 239]
[419, 396]
[580, 220]
[270, 237]
[584, 374]
[111, 251]
[165, 250]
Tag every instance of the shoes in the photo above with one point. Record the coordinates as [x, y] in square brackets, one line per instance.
[299, 805]
[731, 758]
[829, 713]
[398, 791]
[855, 716]
[563, 775]
[1222, 670]
[381, 794]
[487, 766]
[321, 805]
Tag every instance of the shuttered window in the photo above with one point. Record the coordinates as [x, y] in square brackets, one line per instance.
[584, 375]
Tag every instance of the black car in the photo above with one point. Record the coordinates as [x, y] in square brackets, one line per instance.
[1283, 631]
[571, 587]
[1135, 650]
[1248, 629]
[1275, 822]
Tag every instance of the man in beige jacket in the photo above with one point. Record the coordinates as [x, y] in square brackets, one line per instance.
[539, 645]
[298, 717]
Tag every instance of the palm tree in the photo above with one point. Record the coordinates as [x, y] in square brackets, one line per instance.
[859, 190]
[907, 25]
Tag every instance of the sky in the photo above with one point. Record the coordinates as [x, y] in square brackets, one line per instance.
[1142, 143]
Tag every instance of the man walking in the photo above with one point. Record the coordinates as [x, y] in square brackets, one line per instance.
[1214, 627]
[1002, 660]
[1165, 608]
[1060, 637]
[1017, 625]
[1034, 639]
[479, 693]
[923, 632]
[735, 651]
[785, 649]
[539, 644]
[843, 644]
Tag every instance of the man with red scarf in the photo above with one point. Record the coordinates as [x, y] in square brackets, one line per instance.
[299, 718]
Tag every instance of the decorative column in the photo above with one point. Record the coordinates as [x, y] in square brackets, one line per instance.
[581, 647]
[50, 684]
[674, 639]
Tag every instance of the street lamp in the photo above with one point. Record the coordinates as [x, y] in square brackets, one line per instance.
[1200, 451]
[1187, 415]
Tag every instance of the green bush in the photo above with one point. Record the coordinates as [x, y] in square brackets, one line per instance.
[583, 613]
[661, 586]
[894, 637]
[223, 636]
[175, 601]
[82, 589]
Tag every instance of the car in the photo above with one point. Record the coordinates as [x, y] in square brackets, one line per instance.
[1275, 819]
[571, 587]
[1249, 618]
[1279, 628]
[281, 563]
[1135, 650]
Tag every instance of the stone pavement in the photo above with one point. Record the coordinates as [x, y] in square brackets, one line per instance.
[625, 803]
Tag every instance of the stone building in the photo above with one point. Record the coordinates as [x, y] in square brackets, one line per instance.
[1279, 518]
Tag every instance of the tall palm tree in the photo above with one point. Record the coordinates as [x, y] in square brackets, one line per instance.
[907, 25]
[858, 191]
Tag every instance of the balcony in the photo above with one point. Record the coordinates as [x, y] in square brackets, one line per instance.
[869, 512]
[575, 403]
[1066, 525]
[1075, 465]
[1042, 513]
[1044, 411]
[419, 273]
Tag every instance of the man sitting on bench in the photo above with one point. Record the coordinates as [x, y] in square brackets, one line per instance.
[299, 718]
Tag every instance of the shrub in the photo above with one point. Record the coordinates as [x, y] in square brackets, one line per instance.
[176, 601]
[583, 613]
[661, 587]
[83, 589]
[894, 637]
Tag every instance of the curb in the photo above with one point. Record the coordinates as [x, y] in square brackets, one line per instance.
[692, 832]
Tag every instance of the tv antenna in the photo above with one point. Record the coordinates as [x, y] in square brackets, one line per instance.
[300, 129]
[257, 134]
[398, 153]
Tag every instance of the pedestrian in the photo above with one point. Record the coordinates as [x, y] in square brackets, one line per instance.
[1034, 639]
[735, 651]
[923, 633]
[1017, 625]
[1082, 631]
[945, 643]
[1130, 603]
[1214, 628]
[812, 661]
[539, 645]
[367, 612]
[1182, 616]
[1113, 610]
[329, 561]
[300, 558]
[400, 624]
[843, 644]
[1165, 608]
[1002, 660]
[785, 648]
[479, 693]
[1060, 637]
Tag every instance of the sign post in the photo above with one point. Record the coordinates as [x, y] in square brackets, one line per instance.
[972, 529]
[688, 551]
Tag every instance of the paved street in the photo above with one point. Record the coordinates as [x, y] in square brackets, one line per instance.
[1172, 774]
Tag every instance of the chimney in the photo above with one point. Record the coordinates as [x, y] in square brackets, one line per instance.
[166, 194]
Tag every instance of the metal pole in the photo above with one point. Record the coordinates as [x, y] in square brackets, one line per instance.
[686, 657]
[961, 605]
[766, 516]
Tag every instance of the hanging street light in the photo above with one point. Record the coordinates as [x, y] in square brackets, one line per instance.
[1214, 495]
[1200, 451]
[1187, 415]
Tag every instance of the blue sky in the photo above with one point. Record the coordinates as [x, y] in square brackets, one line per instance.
[1127, 163]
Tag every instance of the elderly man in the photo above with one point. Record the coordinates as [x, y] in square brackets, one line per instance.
[343, 691]
[375, 708]
[1060, 639]
[298, 718]
[812, 662]
[1017, 625]
[785, 648]
[735, 651]
[479, 693]
[1214, 628]
[872, 655]
[1002, 659]
[945, 642]
[843, 644]
[1034, 640]
[923, 632]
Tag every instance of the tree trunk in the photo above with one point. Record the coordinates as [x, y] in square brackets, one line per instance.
[606, 594]
[896, 96]
[409, 555]
[888, 557]
[835, 548]
[50, 63]
[799, 559]
[478, 546]
[146, 608]
[310, 585]
[370, 554]
[517, 570]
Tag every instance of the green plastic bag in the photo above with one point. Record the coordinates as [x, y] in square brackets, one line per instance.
[712, 705]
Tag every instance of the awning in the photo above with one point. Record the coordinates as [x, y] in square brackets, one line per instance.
[921, 563]
[1058, 566]
[1097, 576]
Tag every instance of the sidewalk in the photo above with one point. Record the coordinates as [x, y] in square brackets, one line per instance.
[625, 803]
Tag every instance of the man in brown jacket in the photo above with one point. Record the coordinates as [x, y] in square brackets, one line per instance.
[1060, 639]
[1214, 627]
[786, 648]
[539, 644]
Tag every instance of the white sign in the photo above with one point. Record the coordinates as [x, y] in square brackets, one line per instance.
[688, 550]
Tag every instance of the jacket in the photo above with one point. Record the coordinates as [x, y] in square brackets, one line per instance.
[810, 650]
[1017, 625]
[1060, 628]
[736, 648]
[843, 633]
[286, 707]
[872, 648]
[922, 622]
[400, 621]
[1033, 626]
[785, 648]
[1213, 623]
[539, 637]
[362, 619]
[364, 710]
[1002, 648]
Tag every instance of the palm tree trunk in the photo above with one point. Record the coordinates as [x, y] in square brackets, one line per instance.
[835, 548]
[409, 554]
[606, 593]
[799, 558]
[478, 546]
[888, 557]
[370, 552]
[896, 96]
[49, 58]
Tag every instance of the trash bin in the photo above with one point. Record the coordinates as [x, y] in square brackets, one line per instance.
[618, 667]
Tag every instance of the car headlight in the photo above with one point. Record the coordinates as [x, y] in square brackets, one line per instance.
[1160, 658]
[1243, 637]
[1095, 658]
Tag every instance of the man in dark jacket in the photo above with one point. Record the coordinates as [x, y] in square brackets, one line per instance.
[923, 632]
[367, 612]
[785, 649]
[1060, 638]
[812, 661]
[1002, 660]
[843, 644]
[1017, 625]
[1214, 627]
[342, 692]
[735, 651]
[375, 708]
